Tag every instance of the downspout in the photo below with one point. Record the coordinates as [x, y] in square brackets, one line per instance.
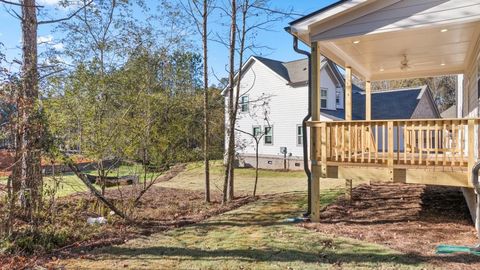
[476, 186]
[304, 124]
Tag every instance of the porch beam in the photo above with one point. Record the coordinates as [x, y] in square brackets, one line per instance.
[315, 140]
[348, 93]
[368, 100]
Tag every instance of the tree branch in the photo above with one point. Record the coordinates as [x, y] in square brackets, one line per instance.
[66, 18]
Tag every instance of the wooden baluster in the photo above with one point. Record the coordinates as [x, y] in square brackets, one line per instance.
[461, 130]
[436, 139]
[355, 144]
[362, 142]
[398, 142]
[454, 143]
[336, 142]
[429, 146]
[420, 142]
[413, 159]
[405, 142]
[343, 143]
[384, 157]
[376, 142]
[349, 142]
[369, 139]
[445, 143]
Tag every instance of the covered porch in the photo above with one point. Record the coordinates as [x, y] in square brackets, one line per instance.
[391, 40]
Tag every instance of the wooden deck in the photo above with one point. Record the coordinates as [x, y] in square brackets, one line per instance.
[427, 151]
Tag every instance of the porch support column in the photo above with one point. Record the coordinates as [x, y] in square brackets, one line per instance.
[348, 93]
[315, 134]
[368, 100]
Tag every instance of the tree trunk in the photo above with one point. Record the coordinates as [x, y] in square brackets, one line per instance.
[205, 102]
[229, 169]
[256, 168]
[27, 175]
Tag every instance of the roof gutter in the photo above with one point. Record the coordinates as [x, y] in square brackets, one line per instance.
[304, 124]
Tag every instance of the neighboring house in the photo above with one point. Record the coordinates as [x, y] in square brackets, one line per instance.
[450, 113]
[273, 102]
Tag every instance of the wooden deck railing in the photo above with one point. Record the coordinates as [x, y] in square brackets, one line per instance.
[425, 142]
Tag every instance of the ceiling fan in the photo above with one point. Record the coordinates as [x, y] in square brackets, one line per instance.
[404, 65]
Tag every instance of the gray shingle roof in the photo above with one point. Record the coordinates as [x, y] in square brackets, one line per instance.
[392, 104]
[293, 71]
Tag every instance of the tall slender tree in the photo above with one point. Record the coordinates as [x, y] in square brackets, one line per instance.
[230, 129]
[200, 13]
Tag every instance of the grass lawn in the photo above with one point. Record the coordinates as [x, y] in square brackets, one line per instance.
[68, 183]
[269, 182]
[255, 236]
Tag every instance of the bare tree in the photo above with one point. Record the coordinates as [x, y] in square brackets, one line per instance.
[254, 16]
[230, 129]
[200, 13]
[26, 178]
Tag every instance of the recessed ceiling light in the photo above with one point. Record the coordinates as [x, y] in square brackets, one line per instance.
[356, 42]
[442, 64]
[444, 30]
[382, 69]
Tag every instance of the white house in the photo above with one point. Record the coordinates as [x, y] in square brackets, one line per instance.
[273, 102]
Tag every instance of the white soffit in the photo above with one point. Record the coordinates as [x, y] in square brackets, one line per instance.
[434, 51]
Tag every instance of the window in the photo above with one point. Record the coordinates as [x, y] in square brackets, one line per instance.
[299, 135]
[268, 135]
[337, 98]
[323, 98]
[244, 104]
[256, 130]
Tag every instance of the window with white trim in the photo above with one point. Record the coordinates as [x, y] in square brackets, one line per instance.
[268, 135]
[244, 104]
[323, 97]
[338, 98]
[256, 131]
[299, 135]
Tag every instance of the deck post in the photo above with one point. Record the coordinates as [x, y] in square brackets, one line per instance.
[471, 148]
[390, 148]
[368, 100]
[348, 190]
[348, 93]
[315, 134]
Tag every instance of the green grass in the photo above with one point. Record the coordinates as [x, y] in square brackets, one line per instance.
[269, 182]
[68, 183]
[255, 236]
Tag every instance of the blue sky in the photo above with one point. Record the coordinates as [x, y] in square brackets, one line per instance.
[277, 39]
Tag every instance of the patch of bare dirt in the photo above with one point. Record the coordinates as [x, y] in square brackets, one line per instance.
[413, 219]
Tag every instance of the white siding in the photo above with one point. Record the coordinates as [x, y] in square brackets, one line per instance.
[285, 106]
[407, 14]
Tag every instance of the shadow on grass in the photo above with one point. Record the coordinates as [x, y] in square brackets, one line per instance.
[284, 255]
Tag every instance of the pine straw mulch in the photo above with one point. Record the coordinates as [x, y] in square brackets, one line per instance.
[160, 209]
[412, 219]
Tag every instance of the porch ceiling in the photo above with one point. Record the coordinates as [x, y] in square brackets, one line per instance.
[430, 51]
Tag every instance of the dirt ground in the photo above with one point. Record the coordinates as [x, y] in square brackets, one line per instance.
[413, 219]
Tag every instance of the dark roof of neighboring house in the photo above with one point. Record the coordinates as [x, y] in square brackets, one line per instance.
[391, 104]
[450, 112]
[294, 72]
